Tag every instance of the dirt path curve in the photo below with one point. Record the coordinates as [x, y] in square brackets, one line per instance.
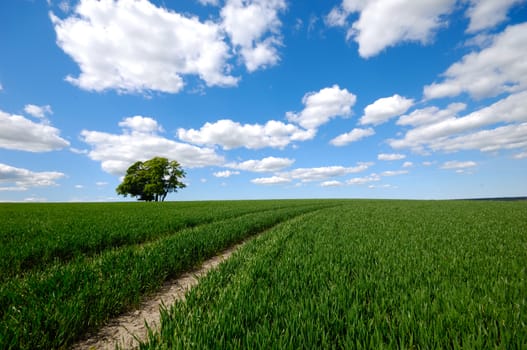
[127, 328]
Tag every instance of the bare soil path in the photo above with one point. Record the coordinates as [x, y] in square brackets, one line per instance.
[126, 329]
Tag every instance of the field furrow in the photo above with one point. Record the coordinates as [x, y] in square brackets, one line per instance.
[371, 274]
[54, 307]
[33, 237]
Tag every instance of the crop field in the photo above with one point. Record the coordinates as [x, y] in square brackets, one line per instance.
[318, 274]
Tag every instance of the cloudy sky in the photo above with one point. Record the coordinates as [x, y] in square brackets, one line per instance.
[265, 98]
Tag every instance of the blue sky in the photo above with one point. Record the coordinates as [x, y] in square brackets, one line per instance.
[265, 98]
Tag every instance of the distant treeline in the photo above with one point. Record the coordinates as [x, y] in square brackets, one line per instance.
[498, 199]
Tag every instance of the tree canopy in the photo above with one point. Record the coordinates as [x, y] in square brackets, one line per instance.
[152, 180]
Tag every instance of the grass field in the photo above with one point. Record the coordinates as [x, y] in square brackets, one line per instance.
[324, 273]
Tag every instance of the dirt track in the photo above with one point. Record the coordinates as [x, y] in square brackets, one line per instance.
[126, 329]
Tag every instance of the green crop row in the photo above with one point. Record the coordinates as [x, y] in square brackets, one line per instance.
[52, 308]
[33, 236]
[370, 274]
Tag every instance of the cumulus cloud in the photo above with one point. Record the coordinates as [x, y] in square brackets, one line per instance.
[268, 164]
[385, 108]
[140, 124]
[134, 46]
[504, 137]
[78, 151]
[19, 179]
[484, 14]
[229, 134]
[209, 2]
[378, 28]
[463, 133]
[225, 173]
[140, 140]
[322, 106]
[38, 111]
[454, 164]
[390, 156]
[372, 187]
[408, 164]
[273, 180]
[19, 133]
[331, 183]
[253, 27]
[521, 155]
[496, 69]
[394, 172]
[352, 136]
[323, 173]
[312, 174]
[431, 115]
[319, 108]
[364, 180]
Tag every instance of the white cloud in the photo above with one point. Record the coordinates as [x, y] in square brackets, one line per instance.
[273, 180]
[79, 187]
[390, 156]
[454, 164]
[268, 164]
[337, 17]
[229, 134]
[19, 133]
[521, 155]
[140, 124]
[456, 133]
[140, 140]
[225, 173]
[364, 180]
[38, 111]
[504, 137]
[64, 5]
[332, 183]
[385, 23]
[408, 164]
[394, 172]
[322, 173]
[1, 87]
[35, 199]
[313, 174]
[101, 183]
[253, 27]
[485, 14]
[322, 106]
[209, 2]
[431, 115]
[495, 69]
[134, 46]
[78, 151]
[352, 136]
[385, 108]
[383, 186]
[18, 179]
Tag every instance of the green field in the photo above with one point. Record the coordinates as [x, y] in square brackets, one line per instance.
[319, 274]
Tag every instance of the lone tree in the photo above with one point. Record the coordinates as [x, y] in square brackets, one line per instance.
[152, 180]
